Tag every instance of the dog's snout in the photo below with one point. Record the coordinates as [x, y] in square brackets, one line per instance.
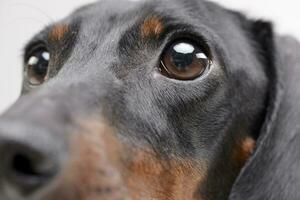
[29, 162]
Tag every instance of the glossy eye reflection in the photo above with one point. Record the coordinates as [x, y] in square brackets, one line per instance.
[184, 61]
[37, 66]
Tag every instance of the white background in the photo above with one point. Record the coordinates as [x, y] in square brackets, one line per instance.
[20, 19]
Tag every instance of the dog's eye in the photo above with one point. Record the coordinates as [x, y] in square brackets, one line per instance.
[184, 61]
[37, 66]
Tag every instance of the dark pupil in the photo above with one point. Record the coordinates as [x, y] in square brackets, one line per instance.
[40, 67]
[182, 55]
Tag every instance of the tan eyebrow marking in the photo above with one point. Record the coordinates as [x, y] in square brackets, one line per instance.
[57, 32]
[152, 26]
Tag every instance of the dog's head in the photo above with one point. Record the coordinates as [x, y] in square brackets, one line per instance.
[137, 100]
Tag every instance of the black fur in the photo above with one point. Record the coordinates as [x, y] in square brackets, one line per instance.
[104, 67]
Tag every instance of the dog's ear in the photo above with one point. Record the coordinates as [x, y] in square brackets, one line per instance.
[263, 37]
[273, 171]
[260, 34]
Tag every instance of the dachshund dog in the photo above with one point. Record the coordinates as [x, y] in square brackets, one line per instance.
[155, 100]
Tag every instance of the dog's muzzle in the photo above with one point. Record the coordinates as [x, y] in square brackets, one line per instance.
[48, 150]
[57, 145]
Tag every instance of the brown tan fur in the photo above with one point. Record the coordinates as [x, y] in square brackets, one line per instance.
[57, 32]
[101, 168]
[242, 151]
[152, 177]
[151, 27]
[93, 172]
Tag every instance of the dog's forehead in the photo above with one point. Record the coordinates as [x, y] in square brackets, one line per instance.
[106, 8]
[103, 10]
[105, 23]
[114, 13]
[101, 26]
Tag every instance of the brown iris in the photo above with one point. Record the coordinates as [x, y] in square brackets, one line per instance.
[184, 61]
[37, 66]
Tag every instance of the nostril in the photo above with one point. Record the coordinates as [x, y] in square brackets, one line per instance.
[31, 158]
[24, 166]
[28, 170]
